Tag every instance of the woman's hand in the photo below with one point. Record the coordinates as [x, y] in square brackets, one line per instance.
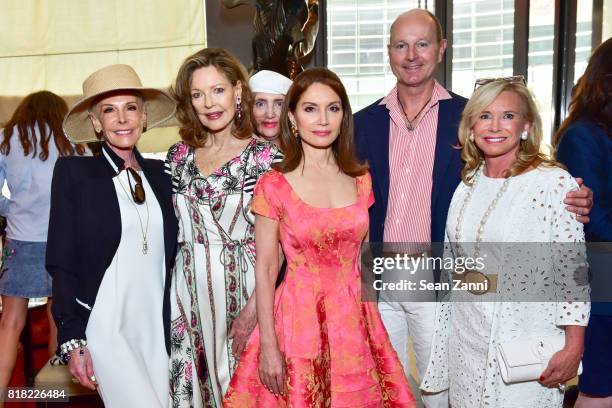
[272, 369]
[81, 367]
[242, 327]
[562, 367]
[580, 202]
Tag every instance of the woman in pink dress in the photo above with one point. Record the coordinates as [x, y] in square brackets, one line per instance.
[317, 344]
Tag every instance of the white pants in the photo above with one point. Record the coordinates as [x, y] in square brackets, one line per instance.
[414, 319]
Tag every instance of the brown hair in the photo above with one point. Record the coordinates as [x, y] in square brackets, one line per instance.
[342, 148]
[528, 155]
[43, 110]
[592, 95]
[192, 131]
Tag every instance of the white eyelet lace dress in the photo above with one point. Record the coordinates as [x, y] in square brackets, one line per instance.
[463, 356]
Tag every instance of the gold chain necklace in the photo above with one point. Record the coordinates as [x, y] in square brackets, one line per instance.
[143, 229]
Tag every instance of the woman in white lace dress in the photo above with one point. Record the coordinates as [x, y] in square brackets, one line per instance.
[510, 193]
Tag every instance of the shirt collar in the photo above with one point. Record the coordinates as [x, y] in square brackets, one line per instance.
[117, 162]
[439, 93]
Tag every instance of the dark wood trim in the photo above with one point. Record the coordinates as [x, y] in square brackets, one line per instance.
[444, 12]
[319, 58]
[564, 57]
[597, 28]
[520, 46]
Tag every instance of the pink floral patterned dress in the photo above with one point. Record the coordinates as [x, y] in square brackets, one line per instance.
[336, 349]
[214, 273]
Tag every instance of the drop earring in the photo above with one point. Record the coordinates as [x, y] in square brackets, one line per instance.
[294, 130]
[524, 135]
[471, 137]
[238, 109]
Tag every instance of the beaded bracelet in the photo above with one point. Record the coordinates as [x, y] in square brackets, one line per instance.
[70, 345]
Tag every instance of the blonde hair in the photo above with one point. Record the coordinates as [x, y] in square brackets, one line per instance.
[528, 155]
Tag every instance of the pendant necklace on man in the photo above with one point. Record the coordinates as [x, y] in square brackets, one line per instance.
[410, 124]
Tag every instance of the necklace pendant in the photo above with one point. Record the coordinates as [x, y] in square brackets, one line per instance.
[145, 247]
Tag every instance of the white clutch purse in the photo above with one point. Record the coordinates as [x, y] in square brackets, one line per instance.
[526, 359]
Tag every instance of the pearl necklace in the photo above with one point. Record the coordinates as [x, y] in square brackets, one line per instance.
[486, 215]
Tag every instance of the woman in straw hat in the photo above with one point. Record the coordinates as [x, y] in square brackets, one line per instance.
[269, 89]
[112, 239]
[31, 142]
[214, 170]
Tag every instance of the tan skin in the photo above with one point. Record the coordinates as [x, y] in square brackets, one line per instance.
[593, 401]
[266, 114]
[120, 119]
[497, 131]
[214, 100]
[12, 323]
[318, 182]
[414, 53]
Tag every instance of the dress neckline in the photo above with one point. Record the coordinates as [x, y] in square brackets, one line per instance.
[219, 170]
[357, 200]
[535, 170]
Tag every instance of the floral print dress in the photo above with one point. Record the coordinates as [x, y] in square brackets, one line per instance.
[214, 272]
[336, 349]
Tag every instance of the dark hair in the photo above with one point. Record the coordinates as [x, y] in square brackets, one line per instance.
[592, 95]
[192, 131]
[342, 148]
[43, 110]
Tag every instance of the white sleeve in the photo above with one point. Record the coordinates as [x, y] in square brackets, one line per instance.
[569, 258]
[4, 201]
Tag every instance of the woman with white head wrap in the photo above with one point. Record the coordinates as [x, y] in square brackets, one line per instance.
[269, 89]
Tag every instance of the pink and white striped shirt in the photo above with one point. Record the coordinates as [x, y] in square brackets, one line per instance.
[411, 162]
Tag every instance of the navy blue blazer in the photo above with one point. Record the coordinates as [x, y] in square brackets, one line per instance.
[372, 140]
[84, 234]
[586, 149]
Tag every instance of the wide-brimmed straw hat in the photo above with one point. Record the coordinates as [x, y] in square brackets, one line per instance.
[158, 104]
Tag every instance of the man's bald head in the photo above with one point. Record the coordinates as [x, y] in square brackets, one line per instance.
[418, 16]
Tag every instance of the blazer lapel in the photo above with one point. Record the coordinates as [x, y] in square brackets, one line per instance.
[163, 192]
[446, 138]
[99, 194]
[378, 155]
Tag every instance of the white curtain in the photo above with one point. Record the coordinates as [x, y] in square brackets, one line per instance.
[56, 44]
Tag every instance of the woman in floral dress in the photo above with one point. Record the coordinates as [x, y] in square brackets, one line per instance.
[214, 170]
[317, 344]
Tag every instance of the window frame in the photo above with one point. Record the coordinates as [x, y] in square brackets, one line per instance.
[564, 53]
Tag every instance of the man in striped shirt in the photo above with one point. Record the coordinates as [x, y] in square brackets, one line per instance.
[409, 139]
